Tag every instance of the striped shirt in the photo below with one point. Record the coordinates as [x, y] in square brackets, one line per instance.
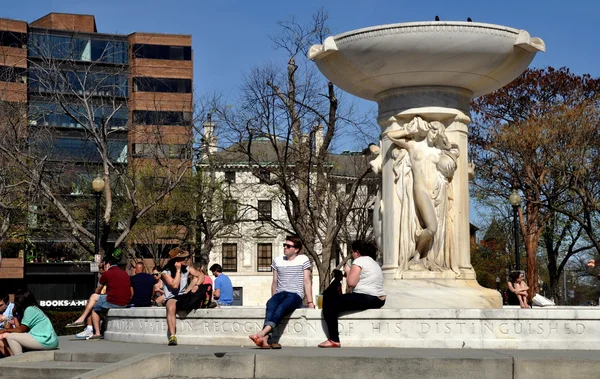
[290, 274]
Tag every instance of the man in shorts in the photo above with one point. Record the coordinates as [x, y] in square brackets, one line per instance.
[118, 293]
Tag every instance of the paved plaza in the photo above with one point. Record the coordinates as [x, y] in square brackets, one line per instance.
[105, 359]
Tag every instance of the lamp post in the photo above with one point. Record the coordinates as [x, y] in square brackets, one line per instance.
[98, 187]
[498, 283]
[515, 201]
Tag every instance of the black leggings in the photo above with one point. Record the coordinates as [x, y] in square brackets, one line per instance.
[334, 305]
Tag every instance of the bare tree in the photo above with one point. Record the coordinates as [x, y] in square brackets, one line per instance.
[299, 116]
[78, 125]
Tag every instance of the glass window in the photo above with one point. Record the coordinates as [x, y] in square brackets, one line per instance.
[348, 188]
[52, 114]
[71, 82]
[158, 151]
[230, 210]
[264, 175]
[13, 74]
[76, 149]
[264, 210]
[162, 85]
[265, 257]
[162, 52]
[162, 118]
[229, 251]
[230, 176]
[78, 48]
[12, 39]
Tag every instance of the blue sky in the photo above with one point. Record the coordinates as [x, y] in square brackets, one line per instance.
[230, 36]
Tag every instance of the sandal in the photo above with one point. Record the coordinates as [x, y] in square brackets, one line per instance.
[76, 324]
[330, 344]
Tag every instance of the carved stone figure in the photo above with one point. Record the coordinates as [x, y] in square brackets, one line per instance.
[424, 164]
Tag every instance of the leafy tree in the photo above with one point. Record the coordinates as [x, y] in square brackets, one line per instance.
[539, 134]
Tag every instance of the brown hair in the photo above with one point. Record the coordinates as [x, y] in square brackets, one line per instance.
[296, 241]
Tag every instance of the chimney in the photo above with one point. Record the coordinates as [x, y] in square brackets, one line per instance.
[210, 140]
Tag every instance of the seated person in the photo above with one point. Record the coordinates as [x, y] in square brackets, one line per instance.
[81, 321]
[366, 279]
[158, 296]
[517, 290]
[175, 277]
[34, 331]
[335, 288]
[142, 286]
[195, 295]
[118, 293]
[223, 290]
[6, 309]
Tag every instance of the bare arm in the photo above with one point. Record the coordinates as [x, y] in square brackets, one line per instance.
[274, 283]
[354, 276]
[173, 282]
[308, 289]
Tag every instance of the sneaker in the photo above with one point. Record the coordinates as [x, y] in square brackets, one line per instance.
[94, 337]
[84, 334]
[172, 341]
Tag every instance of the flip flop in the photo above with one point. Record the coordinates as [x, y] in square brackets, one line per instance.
[75, 324]
[275, 346]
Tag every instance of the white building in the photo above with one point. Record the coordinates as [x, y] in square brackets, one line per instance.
[247, 246]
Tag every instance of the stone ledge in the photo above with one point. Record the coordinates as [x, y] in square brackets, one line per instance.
[508, 328]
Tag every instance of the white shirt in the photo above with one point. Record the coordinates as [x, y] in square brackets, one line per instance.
[290, 274]
[371, 277]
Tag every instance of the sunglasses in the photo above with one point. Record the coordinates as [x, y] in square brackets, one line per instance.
[156, 274]
[288, 246]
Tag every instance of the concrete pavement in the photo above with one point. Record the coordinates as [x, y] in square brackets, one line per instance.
[135, 360]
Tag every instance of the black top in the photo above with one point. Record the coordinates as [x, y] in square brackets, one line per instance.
[143, 287]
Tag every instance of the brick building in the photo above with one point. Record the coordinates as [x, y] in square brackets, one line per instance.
[139, 85]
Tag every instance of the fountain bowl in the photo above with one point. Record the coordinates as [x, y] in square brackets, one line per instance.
[477, 57]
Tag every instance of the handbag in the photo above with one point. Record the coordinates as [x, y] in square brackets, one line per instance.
[542, 301]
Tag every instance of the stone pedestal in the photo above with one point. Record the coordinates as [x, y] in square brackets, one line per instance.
[509, 328]
[423, 76]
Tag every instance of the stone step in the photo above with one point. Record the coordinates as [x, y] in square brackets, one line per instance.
[48, 369]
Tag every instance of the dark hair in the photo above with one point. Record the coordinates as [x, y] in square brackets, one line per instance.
[216, 267]
[365, 248]
[170, 266]
[337, 274]
[110, 260]
[514, 276]
[296, 241]
[23, 300]
[4, 297]
[157, 268]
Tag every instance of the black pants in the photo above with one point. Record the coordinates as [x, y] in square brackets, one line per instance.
[334, 305]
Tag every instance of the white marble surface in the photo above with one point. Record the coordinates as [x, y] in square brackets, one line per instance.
[476, 56]
[507, 328]
[423, 76]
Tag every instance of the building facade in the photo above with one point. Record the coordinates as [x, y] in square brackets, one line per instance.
[64, 80]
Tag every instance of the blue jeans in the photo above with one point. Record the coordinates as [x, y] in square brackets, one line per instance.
[102, 305]
[281, 304]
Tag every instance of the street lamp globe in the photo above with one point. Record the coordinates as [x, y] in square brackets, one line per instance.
[515, 198]
[98, 184]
